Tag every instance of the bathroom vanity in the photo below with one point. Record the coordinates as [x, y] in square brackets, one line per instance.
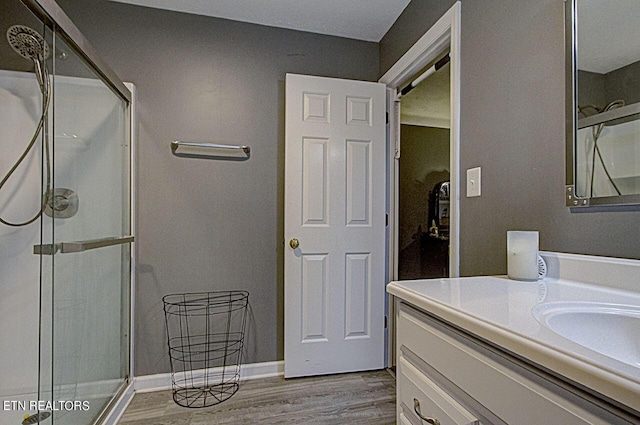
[490, 350]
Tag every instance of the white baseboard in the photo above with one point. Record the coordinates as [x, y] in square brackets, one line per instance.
[162, 381]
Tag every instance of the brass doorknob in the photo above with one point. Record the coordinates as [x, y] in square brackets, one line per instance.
[294, 243]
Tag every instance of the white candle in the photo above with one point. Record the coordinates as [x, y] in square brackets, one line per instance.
[522, 255]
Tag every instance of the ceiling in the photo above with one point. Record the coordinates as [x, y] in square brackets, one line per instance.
[367, 20]
[428, 104]
[607, 34]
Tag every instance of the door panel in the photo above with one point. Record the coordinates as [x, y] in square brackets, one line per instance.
[315, 169]
[314, 299]
[334, 205]
[358, 183]
[357, 292]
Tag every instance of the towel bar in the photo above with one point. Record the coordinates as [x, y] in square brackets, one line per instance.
[208, 150]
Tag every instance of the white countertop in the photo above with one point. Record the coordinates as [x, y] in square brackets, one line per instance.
[499, 310]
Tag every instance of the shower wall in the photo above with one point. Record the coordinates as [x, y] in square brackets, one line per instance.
[85, 321]
[621, 154]
[20, 105]
[92, 159]
[617, 143]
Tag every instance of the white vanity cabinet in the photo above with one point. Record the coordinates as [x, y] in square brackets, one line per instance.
[448, 376]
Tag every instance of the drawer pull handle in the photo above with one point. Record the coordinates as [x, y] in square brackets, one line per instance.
[416, 408]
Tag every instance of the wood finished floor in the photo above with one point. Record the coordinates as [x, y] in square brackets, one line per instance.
[353, 398]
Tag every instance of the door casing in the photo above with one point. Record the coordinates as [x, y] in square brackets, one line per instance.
[444, 33]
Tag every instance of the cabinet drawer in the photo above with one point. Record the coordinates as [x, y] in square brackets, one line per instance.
[404, 420]
[511, 390]
[419, 394]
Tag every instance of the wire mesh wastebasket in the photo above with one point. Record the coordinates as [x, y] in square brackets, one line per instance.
[205, 333]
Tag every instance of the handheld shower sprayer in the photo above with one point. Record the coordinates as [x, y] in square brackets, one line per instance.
[31, 45]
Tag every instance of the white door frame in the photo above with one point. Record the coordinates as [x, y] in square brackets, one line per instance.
[445, 32]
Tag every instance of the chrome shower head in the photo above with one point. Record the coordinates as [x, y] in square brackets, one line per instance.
[27, 42]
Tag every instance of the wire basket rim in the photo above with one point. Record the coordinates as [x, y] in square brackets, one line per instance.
[205, 298]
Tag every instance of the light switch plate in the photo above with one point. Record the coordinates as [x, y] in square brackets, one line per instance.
[474, 185]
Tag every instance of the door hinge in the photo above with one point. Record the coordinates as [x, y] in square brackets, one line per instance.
[386, 220]
[387, 117]
[385, 322]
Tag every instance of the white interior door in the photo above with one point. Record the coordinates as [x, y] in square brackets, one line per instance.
[335, 208]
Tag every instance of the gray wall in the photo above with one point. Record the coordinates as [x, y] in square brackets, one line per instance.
[215, 225]
[591, 91]
[210, 225]
[512, 125]
[413, 22]
[600, 89]
[624, 83]
[423, 163]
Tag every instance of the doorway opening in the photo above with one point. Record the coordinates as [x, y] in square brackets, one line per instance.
[442, 37]
[424, 174]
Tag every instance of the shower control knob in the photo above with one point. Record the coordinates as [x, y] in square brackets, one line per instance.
[294, 243]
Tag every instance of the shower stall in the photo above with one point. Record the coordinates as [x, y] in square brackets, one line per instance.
[65, 222]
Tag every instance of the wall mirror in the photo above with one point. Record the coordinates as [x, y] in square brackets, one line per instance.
[603, 103]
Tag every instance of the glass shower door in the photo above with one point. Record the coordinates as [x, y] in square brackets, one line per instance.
[90, 229]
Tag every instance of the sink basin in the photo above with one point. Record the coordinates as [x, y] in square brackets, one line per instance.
[609, 329]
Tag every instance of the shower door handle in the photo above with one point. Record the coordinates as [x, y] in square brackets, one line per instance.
[46, 249]
[80, 246]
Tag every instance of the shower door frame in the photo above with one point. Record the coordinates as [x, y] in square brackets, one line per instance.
[50, 13]
[53, 16]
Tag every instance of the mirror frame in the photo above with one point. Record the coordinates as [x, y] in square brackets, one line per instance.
[571, 56]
